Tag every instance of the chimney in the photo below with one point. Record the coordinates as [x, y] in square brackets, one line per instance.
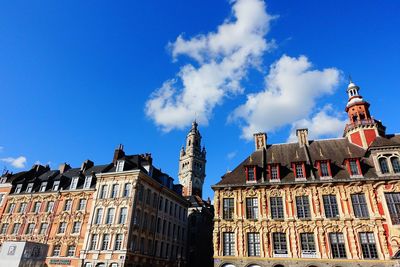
[302, 136]
[118, 153]
[260, 140]
[87, 164]
[64, 167]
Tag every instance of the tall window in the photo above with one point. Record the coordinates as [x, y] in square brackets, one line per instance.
[99, 216]
[62, 227]
[359, 205]
[229, 244]
[4, 228]
[303, 207]
[11, 208]
[122, 215]
[43, 228]
[276, 208]
[330, 206]
[82, 204]
[43, 187]
[127, 190]
[114, 191]
[50, 206]
[324, 169]
[299, 170]
[140, 193]
[307, 243]
[18, 189]
[103, 191]
[118, 242]
[228, 208]
[93, 242]
[15, 229]
[110, 216]
[30, 229]
[148, 196]
[36, 207]
[280, 246]
[74, 183]
[383, 165]
[106, 241]
[395, 164]
[393, 203]
[76, 228]
[368, 245]
[56, 250]
[250, 174]
[88, 182]
[56, 185]
[274, 172]
[71, 251]
[253, 244]
[22, 207]
[29, 188]
[354, 167]
[337, 245]
[252, 208]
[68, 205]
[120, 166]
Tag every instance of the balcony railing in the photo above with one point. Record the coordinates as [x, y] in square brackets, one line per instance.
[351, 126]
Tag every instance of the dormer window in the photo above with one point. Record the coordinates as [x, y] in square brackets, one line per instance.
[74, 183]
[395, 164]
[354, 168]
[56, 185]
[18, 189]
[120, 166]
[251, 174]
[324, 169]
[274, 172]
[88, 182]
[43, 187]
[383, 164]
[299, 170]
[29, 188]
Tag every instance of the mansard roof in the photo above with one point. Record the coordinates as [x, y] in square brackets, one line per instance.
[334, 150]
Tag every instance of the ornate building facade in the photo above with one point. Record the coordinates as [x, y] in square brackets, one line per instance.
[333, 202]
[126, 213]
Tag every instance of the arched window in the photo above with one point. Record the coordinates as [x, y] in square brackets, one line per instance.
[114, 264]
[395, 164]
[383, 164]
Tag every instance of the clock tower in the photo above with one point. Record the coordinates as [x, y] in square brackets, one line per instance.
[192, 164]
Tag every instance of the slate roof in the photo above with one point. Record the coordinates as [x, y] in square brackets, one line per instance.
[334, 150]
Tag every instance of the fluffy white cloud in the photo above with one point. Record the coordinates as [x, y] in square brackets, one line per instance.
[325, 123]
[231, 155]
[221, 58]
[292, 87]
[15, 162]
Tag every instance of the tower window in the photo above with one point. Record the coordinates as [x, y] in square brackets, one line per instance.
[395, 164]
[383, 165]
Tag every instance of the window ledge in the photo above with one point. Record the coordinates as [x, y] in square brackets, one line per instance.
[356, 176]
[300, 179]
[325, 178]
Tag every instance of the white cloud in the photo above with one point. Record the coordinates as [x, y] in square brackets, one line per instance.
[18, 163]
[323, 124]
[222, 59]
[291, 90]
[231, 155]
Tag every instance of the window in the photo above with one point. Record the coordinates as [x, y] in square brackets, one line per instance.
[103, 191]
[29, 188]
[76, 228]
[229, 244]
[82, 204]
[67, 205]
[324, 170]
[160, 205]
[393, 203]
[88, 182]
[274, 172]
[307, 243]
[140, 193]
[251, 177]
[36, 207]
[99, 216]
[71, 251]
[395, 164]
[114, 191]
[4, 228]
[383, 165]
[62, 227]
[15, 229]
[337, 245]
[50, 206]
[22, 207]
[354, 167]
[276, 208]
[18, 189]
[106, 241]
[127, 190]
[148, 196]
[330, 206]
[43, 187]
[43, 228]
[1, 199]
[11, 208]
[74, 183]
[136, 217]
[253, 244]
[299, 170]
[368, 245]
[280, 246]
[228, 208]
[56, 185]
[122, 215]
[56, 250]
[155, 199]
[166, 206]
[93, 242]
[110, 216]
[118, 242]
[359, 205]
[252, 208]
[303, 207]
[30, 229]
[120, 166]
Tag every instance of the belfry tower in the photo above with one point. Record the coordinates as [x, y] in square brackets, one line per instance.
[362, 128]
[192, 164]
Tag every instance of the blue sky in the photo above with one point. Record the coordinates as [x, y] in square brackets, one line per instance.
[78, 78]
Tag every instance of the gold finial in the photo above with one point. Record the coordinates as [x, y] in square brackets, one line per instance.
[297, 154]
[251, 159]
[272, 156]
[320, 153]
[348, 151]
